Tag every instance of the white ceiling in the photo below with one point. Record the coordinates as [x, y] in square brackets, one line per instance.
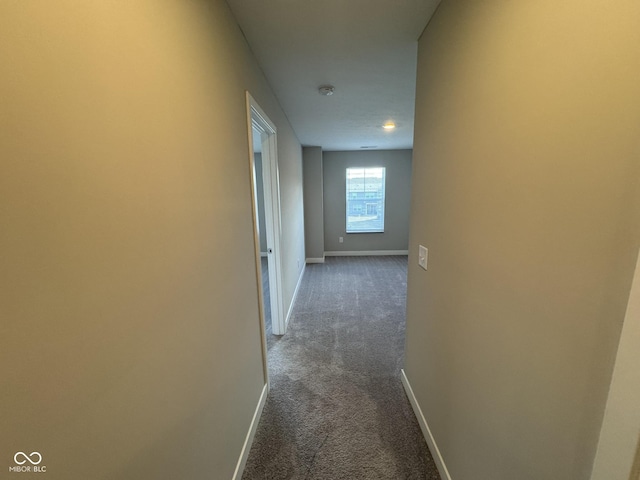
[365, 48]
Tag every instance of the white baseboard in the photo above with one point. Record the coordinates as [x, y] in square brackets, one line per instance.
[293, 298]
[315, 260]
[362, 253]
[435, 452]
[244, 454]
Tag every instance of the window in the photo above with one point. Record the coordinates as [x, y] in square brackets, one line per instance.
[365, 200]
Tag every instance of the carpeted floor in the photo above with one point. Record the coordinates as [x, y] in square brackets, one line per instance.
[336, 409]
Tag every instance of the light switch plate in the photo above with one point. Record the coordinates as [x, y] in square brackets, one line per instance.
[423, 256]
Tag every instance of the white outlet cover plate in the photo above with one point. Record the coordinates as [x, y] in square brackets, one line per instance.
[423, 256]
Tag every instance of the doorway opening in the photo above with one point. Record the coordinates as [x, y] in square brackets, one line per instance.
[267, 220]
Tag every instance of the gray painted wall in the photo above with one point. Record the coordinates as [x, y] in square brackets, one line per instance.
[127, 237]
[313, 202]
[526, 192]
[260, 201]
[291, 208]
[398, 191]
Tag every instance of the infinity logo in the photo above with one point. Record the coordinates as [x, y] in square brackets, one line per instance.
[27, 458]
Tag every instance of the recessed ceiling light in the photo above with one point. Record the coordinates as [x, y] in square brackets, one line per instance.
[389, 126]
[326, 90]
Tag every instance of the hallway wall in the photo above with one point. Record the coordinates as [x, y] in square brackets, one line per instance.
[262, 222]
[525, 190]
[313, 203]
[128, 292]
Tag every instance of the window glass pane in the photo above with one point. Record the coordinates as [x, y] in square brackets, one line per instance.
[365, 199]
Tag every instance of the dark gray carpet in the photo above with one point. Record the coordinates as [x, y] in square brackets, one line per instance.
[336, 409]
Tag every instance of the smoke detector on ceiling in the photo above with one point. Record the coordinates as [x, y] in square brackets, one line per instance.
[326, 90]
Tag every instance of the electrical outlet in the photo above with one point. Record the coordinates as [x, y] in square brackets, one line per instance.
[423, 256]
[340, 239]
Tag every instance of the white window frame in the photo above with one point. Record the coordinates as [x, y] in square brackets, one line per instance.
[366, 203]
